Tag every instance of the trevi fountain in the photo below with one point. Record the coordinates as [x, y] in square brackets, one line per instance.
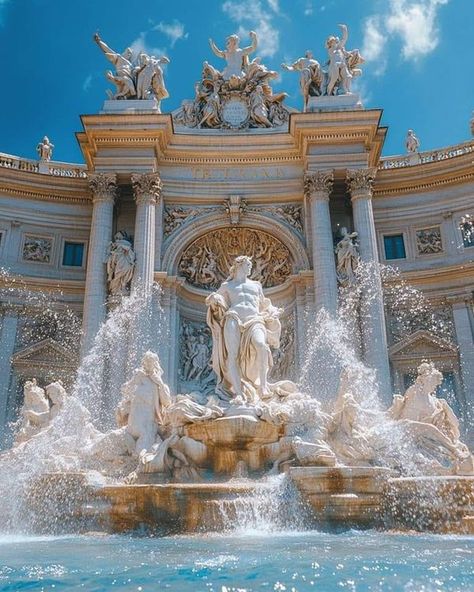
[249, 477]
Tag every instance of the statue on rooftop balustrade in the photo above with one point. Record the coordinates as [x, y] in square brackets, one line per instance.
[235, 56]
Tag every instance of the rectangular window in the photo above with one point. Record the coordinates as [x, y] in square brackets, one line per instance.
[73, 254]
[394, 246]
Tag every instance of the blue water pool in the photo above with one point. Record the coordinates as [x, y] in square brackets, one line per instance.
[250, 561]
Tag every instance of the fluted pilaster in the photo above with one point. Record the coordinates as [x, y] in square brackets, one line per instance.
[318, 187]
[103, 189]
[147, 192]
[374, 337]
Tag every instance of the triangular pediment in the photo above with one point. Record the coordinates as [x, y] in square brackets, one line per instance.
[47, 351]
[422, 343]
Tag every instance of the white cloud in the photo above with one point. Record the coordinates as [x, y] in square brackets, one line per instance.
[175, 31]
[87, 83]
[374, 43]
[140, 44]
[249, 12]
[274, 5]
[412, 22]
[415, 24]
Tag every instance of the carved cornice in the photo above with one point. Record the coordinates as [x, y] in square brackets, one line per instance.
[103, 186]
[318, 184]
[146, 188]
[360, 181]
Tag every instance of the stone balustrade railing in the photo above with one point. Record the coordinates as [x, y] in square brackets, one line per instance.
[57, 169]
[406, 160]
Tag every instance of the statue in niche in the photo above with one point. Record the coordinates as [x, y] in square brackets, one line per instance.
[200, 355]
[120, 264]
[45, 149]
[347, 256]
[432, 423]
[244, 325]
[311, 76]
[34, 413]
[145, 397]
[412, 143]
[235, 56]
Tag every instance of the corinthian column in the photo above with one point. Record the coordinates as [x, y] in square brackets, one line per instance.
[103, 188]
[318, 186]
[374, 337]
[147, 191]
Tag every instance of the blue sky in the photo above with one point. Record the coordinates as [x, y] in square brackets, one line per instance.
[419, 58]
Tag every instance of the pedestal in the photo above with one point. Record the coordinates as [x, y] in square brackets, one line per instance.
[137, 106]
[335, 103]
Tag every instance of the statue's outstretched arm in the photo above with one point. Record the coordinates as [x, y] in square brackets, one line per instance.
[253, 46]
[345, 34]
[216, 50]
[109, 53]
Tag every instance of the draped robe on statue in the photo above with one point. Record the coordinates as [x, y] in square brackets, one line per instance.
[218, 314]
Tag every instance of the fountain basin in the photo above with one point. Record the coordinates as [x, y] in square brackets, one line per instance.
[437, 504]
[343, 496]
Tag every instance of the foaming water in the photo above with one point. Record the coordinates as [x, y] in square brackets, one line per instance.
[273, 505]
[354, 561]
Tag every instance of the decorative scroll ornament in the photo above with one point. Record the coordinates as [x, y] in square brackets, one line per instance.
[234, 206]
[103, 186]
[361, 179]
[239, 97]
[318, 182]
[206, 262]
[146, 187]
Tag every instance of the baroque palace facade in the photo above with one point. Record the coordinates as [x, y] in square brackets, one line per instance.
[179, 195]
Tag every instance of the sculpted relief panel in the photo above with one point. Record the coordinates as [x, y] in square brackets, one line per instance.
[206, 262]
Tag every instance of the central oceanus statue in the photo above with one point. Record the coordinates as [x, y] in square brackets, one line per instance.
[245, 326]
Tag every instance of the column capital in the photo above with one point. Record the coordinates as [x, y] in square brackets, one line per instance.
[360, 181]
[103, 186]
[146, 187]
[318, 184]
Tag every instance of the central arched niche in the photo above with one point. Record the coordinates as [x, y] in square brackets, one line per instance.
[206, 261]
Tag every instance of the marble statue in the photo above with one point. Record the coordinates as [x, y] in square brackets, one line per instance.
[431, 423]
[120, 264]
[347, 257]
[34, 415]
[144, 398]
[239, 97]
[412, 143]
[140, 79]
[244, 326]
[236, 57]
[258, 109]
[311, 77]
[149, 75]
[123, 77]
[45, 149]
[56, 393]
